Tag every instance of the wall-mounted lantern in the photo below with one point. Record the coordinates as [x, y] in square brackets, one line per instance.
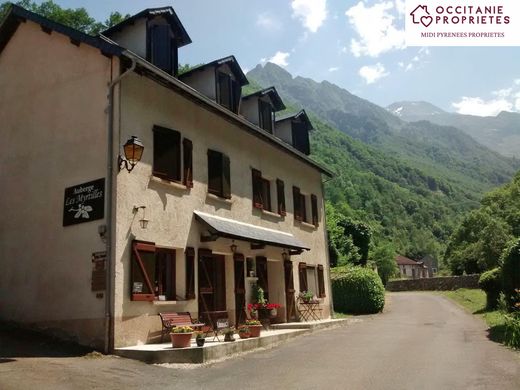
[143, 221]
[233, 247]
[285, 255]
[133, 149]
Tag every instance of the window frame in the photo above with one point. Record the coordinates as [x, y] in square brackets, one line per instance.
[170, 140]
[266, 194]
[232, 86]
[280, 197]
[265, 109]
[136, 263]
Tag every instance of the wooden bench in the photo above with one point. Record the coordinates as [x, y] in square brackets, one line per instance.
[171, 320]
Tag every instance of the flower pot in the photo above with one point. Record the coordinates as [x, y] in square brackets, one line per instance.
[244, 335]
[200, 342]
[255, 330]
[229, 337]
[273, 313]
[181, 340]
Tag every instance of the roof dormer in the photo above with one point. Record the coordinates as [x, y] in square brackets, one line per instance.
[220, 80]
[155, 34]
[294, 129]
[259, 108]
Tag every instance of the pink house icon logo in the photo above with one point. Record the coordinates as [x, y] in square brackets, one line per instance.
[420, 15]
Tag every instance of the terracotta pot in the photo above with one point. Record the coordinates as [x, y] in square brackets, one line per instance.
[181, 340]
[255, 330]
[244, 335]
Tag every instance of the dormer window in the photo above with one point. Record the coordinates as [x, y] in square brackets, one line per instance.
[162, 48]
[260, 107]
[294, 129]
[228, 91]
[266, 116]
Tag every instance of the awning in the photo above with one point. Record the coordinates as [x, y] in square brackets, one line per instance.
[229, 228]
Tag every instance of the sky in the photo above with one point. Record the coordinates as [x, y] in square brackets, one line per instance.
[358, 45]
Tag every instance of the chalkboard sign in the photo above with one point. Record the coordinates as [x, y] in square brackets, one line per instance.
[84, 202]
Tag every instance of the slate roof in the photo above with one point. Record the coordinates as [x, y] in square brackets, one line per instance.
[232, 229]
[402, 260]
[299, 115]
[230, 61]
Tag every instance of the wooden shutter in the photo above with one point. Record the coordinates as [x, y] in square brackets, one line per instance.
[257, 189]
[314, 207]
[166, 153]
[297, 204]
[139, 273]
[321, 281]
[302, 274]
[224, 90]
[190, 273]
[187, 163]
[161, 47]
[235, 95]
[226, 177]
[280, 195]
[214, 172]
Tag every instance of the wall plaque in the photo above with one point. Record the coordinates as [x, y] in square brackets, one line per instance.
[84, 202]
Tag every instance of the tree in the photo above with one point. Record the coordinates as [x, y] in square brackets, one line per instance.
[384, 257]
[76, 18]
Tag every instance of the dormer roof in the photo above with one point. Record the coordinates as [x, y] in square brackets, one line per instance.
[230, 61]
[300, 115]
[168, 13]
[273, 95]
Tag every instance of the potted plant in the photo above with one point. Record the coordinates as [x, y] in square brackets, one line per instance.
[181, 336]
[200, 339]
[273, 309]
[228, 334]
[254, 327]
[244, 332]
[306, 296]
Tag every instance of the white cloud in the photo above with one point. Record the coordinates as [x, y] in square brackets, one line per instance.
[264, 20]
[373, 73]
[400, 5]
[333, 68]
[417, 61]
[480, 107]
[504, 99]
[375, 28]
[312, 13]
[279, 58]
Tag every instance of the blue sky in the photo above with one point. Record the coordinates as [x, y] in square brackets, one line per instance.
[358, 45]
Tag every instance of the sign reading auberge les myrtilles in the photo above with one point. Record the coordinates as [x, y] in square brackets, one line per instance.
[84, 202]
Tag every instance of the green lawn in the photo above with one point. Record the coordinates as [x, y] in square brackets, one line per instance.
[474, 300]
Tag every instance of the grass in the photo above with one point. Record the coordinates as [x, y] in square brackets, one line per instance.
[340, 315]
[474, 300]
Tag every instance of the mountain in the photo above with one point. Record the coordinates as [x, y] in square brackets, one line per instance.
[410, 182]
[500, 133]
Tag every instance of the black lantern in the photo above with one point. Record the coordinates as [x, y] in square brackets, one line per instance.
[133, 149]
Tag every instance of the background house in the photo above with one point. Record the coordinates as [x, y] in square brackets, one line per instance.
[409, 268]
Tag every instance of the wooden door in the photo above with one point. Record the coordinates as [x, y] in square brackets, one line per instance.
[212, 285]
[261, 273]
[240, 289]
[289, 291]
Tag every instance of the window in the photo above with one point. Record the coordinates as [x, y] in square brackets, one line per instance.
[190, 273]
[162, 48]
[303, 208]
[302, 276]
[265, 112]
[153, 272]
[219, 177]
[297, 204]
[314, 209]
[280, 194]
[300, 136]
[228, 91]
[321, 282]
[167, 156]
[266, 194]
[311, 279]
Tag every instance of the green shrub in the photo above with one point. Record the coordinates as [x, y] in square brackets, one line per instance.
[357, 290]
[512, 333]
[491, 282]
[511, 272]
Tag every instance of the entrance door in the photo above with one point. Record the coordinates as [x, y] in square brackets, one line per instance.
[261, 273]
[212, 286]
[240, 289]
[289, 291]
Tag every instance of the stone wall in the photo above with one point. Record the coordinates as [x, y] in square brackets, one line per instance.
[430, 284]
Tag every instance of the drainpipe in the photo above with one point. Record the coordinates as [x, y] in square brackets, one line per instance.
[331, 303]
[110, 196]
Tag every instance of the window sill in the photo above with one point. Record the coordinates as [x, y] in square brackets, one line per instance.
[219, 199]
[271, 214]
[308, 225]
[169, 183]
[167, 303]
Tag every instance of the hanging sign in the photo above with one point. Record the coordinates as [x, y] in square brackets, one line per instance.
[84, 202]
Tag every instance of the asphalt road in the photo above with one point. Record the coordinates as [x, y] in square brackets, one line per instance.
[422, 341]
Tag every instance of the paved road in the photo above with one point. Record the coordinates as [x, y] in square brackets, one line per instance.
[422, 341]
